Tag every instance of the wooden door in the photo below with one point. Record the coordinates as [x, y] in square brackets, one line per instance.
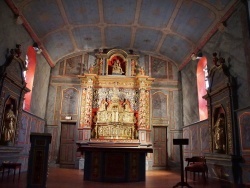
[160, 146]
[67, 145]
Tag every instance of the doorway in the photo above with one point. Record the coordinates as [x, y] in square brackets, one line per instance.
[160, 146]
[67, 152]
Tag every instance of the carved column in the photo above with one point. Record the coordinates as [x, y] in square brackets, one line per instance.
[87, 84]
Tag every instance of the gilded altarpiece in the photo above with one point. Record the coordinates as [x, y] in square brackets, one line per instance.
[115, 99]
[114, 118]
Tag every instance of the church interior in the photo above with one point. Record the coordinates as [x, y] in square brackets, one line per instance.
[121, 89]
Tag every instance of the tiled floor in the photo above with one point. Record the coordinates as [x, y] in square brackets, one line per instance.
[73, 178]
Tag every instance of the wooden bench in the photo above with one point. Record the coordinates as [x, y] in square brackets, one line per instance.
[9, 166]
[196, 164]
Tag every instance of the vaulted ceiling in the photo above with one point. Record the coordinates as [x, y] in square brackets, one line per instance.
[171, 29]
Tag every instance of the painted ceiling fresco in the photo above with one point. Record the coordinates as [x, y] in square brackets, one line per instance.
[171, 29]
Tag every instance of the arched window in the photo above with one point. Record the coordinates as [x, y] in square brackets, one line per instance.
[202, 85]
[29, 75]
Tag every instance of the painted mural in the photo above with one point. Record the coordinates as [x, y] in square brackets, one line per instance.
[161, 68]
[73, 65]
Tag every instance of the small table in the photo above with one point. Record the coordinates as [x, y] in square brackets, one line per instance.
[13, 166]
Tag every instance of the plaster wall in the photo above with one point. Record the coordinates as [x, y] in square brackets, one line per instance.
[40, 87]
[230, 44]
[189, 94]
[11, 33]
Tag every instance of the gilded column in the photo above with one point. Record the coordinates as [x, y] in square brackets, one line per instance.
[143, 103]
[87, 83]
[144, 84]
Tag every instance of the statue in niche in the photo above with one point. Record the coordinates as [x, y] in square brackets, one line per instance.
[103, 105]
[126, 105]
[117, 69]
[219, 133]
[9, 126]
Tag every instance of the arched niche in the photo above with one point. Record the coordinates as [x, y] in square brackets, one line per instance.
[117, 65]
[9, 122]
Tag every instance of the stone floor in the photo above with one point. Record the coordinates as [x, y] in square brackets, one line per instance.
[73, 178]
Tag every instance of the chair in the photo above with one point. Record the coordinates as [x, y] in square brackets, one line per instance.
[9, 166]
[196, 164]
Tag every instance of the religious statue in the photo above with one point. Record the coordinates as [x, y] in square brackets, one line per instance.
[126, 105]
[91, 69]
[18, 51]
[117, 69]
[219, 133]
[218, 61]
[103, 105]
[9, 126]
[141, 71]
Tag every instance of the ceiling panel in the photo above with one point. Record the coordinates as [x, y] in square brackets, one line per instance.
[82, 11]
[43, 16]
[119, 11]
[156, 14]
[220, 5]
[147, 39]
[192, 20]
[176, 48]
[58, 44]
[118, 37]
[87, 37]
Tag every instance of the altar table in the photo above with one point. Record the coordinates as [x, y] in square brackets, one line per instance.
[114, 164]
